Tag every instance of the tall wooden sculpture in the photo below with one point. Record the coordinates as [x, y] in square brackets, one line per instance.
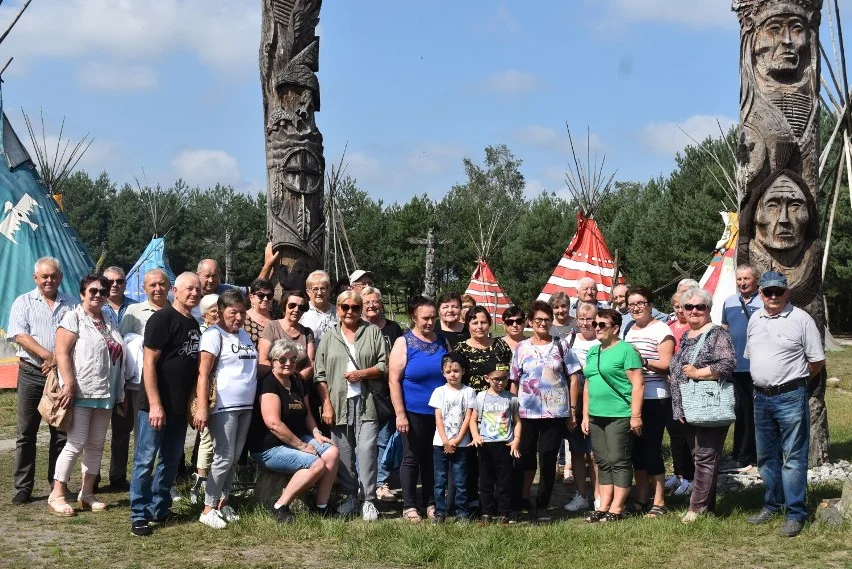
[778, 153]
[289, 60]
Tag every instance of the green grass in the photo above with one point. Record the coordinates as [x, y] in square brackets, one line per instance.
[30, 537]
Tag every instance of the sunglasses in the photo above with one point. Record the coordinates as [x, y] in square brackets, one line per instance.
[264, 295]
[542, 321]
[513, 322]
[350, 307]
[287, 360]
[601, 325]
[113, 282]
[773, 292]
[298, 305]
[698, 307]
[98, 291]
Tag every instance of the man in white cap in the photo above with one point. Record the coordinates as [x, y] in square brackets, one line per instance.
[359, 279]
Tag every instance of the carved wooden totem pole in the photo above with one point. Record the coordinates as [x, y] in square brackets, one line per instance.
[289, 60]
[779, 152]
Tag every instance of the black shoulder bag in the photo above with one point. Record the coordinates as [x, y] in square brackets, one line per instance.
[382, 403]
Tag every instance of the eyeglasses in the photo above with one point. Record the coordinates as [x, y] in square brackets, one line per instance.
[601, 325]
[513, 321]
[318, 289]
[699, 307]
[542, 321]
[98, 291]
[298, 305]
[264, 295]
[113, 282]
[372, 303]
[640, 304]
[284, 360]
[350, 307]
[773, 292]
[585, 320]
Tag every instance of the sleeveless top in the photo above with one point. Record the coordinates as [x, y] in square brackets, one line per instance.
[422, 374]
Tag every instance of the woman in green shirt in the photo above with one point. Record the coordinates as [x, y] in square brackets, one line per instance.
[612, 413]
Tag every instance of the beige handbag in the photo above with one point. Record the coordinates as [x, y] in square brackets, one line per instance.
[49, 407]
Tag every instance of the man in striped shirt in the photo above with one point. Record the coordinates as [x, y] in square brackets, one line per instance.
[33, 320]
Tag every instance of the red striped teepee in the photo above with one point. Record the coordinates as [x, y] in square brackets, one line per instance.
[487, 292]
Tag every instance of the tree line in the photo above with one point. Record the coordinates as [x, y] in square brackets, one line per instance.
[663, 230]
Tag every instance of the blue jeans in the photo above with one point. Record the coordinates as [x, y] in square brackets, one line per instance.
[150, 491]
[385, 432]
[287, 459]
[443, 463]
[782, 425]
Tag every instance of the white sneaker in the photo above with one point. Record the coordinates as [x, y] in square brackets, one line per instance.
[684, 489]
[213, 520]
[176, 497]
[369, 512]
[228, 514]
[196, 492]
[348, 507]
[577, 504]
[672, 482]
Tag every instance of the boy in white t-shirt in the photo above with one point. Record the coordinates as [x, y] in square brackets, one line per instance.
[453, 404]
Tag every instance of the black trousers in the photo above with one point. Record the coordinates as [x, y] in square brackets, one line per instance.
[681, 455]
[545, 436]
[30, 387]
[745, 448]
[648, 449]
[417, 461]
[496, 476]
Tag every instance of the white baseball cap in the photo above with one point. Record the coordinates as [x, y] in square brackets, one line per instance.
[358, 275]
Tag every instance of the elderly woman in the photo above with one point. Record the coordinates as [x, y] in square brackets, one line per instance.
[90, 360]
[655, 344]
[563, 323]
[612, 413]
[374, 314]
[681, 481]
[414, 373]
[514, 320]
[350, 374]
[544, 376]
[209, 307]
[706, 354]
[294, 305]
[449, 310]
[261, 310]
[285, 438]
[227, 354]
[321, 314]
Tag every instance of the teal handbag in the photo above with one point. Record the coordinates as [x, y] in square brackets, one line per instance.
[707, 403]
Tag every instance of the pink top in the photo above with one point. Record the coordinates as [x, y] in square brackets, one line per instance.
[677, 331]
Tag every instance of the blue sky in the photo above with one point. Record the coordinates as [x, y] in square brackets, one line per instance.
[170, 88]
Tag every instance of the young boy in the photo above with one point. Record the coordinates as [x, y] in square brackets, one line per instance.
[495, 426]
[453, 404]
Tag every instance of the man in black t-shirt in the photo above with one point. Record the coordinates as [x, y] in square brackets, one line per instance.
[170, 368]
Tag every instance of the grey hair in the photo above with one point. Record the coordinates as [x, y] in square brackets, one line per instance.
[686, 284]
[203, 262]
[283, 347]
[587, 307]
[318, 277]
[705, 296]
[559, 297]
[208, 302]
[586, 280]
[160, 272]
[185, 276]
[116, 270]
[371, 290]
[52, 261]
[747, 267]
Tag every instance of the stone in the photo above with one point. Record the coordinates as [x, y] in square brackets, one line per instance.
[828, 513]
[833, 382]
[269, 484]
[845, 504]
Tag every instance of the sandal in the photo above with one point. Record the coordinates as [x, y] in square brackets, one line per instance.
[612, 517]
[59, 507]
[411, 515]
[430, 512]
[656, 512]
[90, 503]
[594, 516]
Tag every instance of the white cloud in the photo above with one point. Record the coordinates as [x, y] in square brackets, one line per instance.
[502, 23]
[433, 158]
[511, 82]
[533, 189]
[541, 136]
[205, 168]
[224, 34]
[363, 167]
[112, 76]
[697, 13]
[669, 137]
[548, 138]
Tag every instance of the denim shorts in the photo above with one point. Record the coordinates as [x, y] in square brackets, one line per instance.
[289, 460]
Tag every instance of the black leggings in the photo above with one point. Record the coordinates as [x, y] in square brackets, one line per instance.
[681, 455]
[648, 449]
[417, 461]
[544, 435]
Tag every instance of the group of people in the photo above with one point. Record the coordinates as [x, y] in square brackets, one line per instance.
[323, 391]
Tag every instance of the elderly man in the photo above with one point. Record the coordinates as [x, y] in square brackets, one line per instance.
[32, 325]
[169, 371]
[156, 287]
[619, 302]
[359, 279]
[321, 314]
[211, 282]
[785, 350]
[737, 312]
[117, 303]
[587, 291]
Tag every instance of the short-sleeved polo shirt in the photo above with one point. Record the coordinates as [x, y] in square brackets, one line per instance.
[735, 318]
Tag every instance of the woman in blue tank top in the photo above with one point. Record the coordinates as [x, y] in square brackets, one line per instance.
[414, 373]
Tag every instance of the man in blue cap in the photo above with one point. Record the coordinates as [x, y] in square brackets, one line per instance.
[785, 349]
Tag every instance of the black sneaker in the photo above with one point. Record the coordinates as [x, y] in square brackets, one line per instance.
[170, 517]
[765, 515]
[327, 512]
[120, 484]
[791, 528]
[439, 518]
[542, 516]
[526, 505]
[140, 528]
[282, 515]
[21, 497]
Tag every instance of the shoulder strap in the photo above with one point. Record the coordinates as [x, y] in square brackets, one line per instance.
[562, 356]
[745, 308]
[699, 345]
[628, 327]
[573, 337]
[348, 353]
[606, 380]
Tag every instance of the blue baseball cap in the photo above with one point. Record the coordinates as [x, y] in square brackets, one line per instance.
[772, 279]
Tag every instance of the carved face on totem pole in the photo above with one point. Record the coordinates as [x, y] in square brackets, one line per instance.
[782, 49]
[782, 217]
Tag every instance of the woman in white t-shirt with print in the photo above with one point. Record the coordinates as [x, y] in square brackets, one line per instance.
[655, 344]
[227, 354]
